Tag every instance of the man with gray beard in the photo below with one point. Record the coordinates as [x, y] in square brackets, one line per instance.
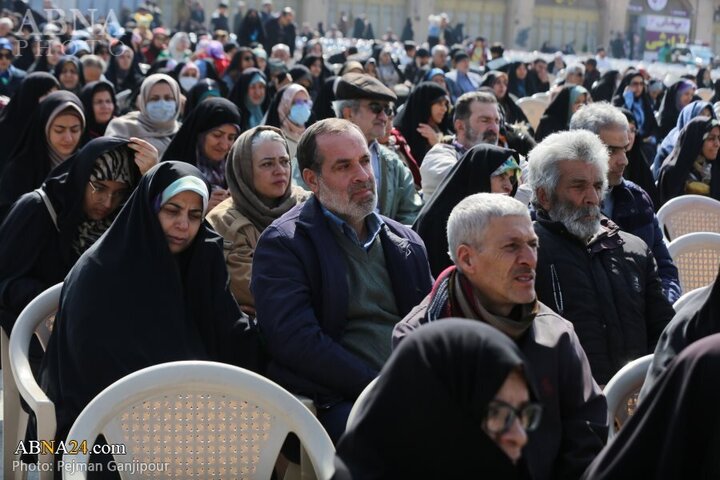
[603, 280]
[476, 121]
[331, 277]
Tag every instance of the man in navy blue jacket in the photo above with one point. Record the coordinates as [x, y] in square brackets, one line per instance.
[331, 277]
[625, 203]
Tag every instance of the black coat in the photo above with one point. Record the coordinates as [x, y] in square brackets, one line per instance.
[610, 290]
[557, 115]
[649, 127]
[605, 88]
[93, 129]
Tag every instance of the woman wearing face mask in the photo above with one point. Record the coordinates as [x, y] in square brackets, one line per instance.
[70, 74]
[204, 140]
[258, 174]
[250, 96]
[47, 230]
[158, 279]
[188, 75]
[692, 167]
[15, 117]
[558, 114]
[483, 168]
[156, 120]
[50, 138]
[477, 407]
[98, 100]
[289, 111]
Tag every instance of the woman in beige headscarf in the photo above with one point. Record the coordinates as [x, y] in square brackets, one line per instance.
[156, 120]
[258, 174]
[289, 110]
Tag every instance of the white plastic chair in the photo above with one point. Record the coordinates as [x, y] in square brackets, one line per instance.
[705, 93]
[697, 258]
[359, 402]
[203, 419]
[542, 96]
[533, 109]
[31, 321]
[689, 296]
[622, 389]
[688, 214]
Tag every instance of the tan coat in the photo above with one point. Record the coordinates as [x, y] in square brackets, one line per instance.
[240, 239]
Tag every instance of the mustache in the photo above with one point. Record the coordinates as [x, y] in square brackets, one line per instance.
[589, 211]
[369, 185]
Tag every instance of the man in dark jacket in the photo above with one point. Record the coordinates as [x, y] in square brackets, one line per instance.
[625, 203]
[281, 30]
[10, 76]
[494, 249]
[603, 280]
[331, 278]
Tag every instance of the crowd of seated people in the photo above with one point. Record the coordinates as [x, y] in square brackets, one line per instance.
[223, 196]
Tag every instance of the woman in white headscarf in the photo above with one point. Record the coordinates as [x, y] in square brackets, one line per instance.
[156, 120]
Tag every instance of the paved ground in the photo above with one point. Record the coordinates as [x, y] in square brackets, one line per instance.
[31, 475]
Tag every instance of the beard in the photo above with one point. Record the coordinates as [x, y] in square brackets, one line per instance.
[582, 222]
[342, 203]
[476, 138]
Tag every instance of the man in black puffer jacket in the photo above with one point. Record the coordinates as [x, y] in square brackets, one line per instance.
[603, 280]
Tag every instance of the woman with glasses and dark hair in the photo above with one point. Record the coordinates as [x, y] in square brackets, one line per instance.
[290, 111]
[456, 394]
[692, 167]
[204, 140]
[48, 229]
[242, 59]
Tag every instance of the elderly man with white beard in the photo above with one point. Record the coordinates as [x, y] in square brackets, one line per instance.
[603, 280]
[331, 277]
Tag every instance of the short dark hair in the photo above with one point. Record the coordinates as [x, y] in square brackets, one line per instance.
[307, 151]
[464, 103]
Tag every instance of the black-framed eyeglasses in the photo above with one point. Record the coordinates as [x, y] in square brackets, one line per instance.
[501, 416]
[102, 193]
[376, 108]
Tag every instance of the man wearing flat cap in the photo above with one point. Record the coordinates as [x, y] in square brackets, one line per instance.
[367, 103]
[331, 277]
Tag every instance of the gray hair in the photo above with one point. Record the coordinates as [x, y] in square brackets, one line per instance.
[576, 68]
[469, 219]
[93, 61]
[340, 105]
[577, 145]
[267, 136]
[439, 48]
[598, 116]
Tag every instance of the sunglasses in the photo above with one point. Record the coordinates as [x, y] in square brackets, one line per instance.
[376, 108]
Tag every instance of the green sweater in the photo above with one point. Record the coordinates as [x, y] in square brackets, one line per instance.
[372, 312]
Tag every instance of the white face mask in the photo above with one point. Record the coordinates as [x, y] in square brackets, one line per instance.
[188, 82]
[161, 110]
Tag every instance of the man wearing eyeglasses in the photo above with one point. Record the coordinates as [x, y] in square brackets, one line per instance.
[10, 76]
[494, 250]
[366, 102]
[625, 203]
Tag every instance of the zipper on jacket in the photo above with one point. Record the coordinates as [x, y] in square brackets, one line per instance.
[557, 291]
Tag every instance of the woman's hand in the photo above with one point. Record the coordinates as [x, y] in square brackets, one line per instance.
[217, 196]
[429, 133]
[146, 155]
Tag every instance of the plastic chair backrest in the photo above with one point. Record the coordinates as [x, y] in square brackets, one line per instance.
[533, 109]
[691, 295]
[199, 420]
[688, 214]
[31, 321]
[352, 418]
[697, 258]
[542, 96]
[622, 389]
